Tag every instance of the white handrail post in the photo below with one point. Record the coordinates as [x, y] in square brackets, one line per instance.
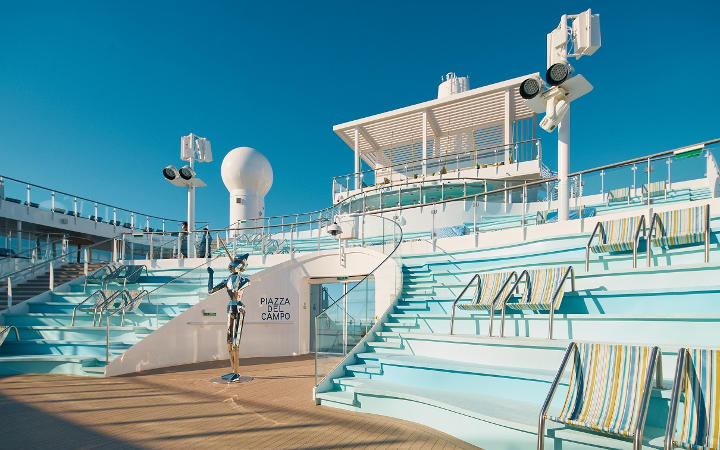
[52, 201]
[122, 249]
[85, 257]
[52, 277]
[648, 182]
[152, 235]
[9, 292]
[27, 195]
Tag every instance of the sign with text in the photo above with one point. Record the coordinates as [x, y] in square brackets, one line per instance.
[275, 309]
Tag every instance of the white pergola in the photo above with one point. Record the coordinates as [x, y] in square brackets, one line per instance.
[479, 117]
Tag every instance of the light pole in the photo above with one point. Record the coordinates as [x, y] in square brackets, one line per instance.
[192, 148]
[583, 35]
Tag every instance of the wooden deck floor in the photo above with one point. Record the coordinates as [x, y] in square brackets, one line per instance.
[181, 408]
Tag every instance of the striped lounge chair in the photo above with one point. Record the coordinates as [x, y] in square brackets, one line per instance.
[543, 292]
[490, 290]
[655, 189]
[5, 331]
[609, 390]
[680, 227]
[618, 195]
[620, 235]
[697, 375]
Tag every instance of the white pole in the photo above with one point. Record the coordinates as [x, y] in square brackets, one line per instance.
[9, 292]
[52, 277]
[563, 168]
[191, 215]
[424, 143]
[357, 160]
[85, 257]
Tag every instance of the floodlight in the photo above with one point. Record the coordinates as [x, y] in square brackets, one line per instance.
[558, 73]
[186, 173]
[531, 87]
[170, 173]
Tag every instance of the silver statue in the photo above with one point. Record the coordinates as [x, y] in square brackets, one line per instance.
[235, 284]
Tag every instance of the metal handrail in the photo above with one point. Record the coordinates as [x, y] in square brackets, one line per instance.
[510, 276]
[598, 226]
[569, 271]
[679, 379]
[122, 308]
[48, 261]
[95, 307]
[644, 402]
[553, 387]
[636, 240]
[30, 250]
[389, 255]
[329, 210]
[3, 177]
[439, 157]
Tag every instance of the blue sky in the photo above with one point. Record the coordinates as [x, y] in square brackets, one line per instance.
[94, 96]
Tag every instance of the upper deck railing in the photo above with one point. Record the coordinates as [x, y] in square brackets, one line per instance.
[47, 199]
[477, 158]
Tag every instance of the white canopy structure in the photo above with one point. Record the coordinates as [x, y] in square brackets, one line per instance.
[493, 115]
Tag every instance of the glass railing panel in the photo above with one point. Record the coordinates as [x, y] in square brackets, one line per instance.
[13, 191]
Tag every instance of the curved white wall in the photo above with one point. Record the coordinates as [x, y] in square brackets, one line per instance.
[196, 335]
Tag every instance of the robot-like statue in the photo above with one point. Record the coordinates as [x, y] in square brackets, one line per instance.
[235, 284]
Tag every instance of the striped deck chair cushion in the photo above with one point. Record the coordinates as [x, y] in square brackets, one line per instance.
[606, 387]
[540, 288]
[618, 195]
[681, 226]
[701, 413]
[490, 284]
[655, 189]
[619, 235]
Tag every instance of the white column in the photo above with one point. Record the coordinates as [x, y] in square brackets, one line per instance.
[424, 143]
[507, 125]
[357, 160]
[563, 165]
[191, 215]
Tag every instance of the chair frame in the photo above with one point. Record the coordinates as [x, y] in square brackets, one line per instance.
[5, 331]
[492, 305]
[656, 217]
[609, 195]
[645, 191]
[636, 240]
[655, 370]
[525, 273]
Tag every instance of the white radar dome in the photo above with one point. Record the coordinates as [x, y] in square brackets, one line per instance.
[248, 176]
[245, 168]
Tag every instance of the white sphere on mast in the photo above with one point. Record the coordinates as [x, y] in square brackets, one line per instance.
[248, 176]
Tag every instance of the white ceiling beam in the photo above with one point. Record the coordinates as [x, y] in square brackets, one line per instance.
[371, 142]
[432, 121]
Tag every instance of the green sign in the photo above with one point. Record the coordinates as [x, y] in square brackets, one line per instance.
[342, 278]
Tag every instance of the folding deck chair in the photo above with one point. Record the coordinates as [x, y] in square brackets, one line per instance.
[543, 292]
[697, 376]
[609, 390]
[618, 195]
[617, 235]
[490, 290]
[680, 227]
[655, 189]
